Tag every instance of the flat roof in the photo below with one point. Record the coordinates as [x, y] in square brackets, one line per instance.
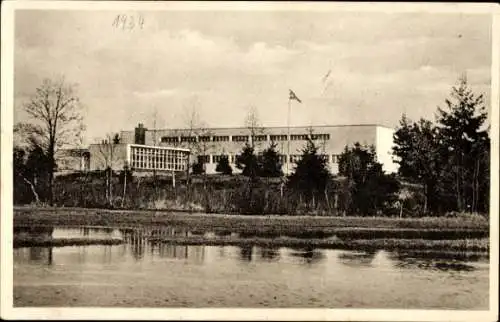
[269, 127]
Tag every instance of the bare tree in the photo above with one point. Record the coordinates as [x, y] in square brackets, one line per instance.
[108, 158]
[252, 123]
[197, 129]
[55, 120]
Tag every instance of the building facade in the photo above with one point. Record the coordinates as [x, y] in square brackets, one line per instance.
[73, 160]
[208, 145]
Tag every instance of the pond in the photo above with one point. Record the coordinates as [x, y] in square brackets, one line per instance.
[142, 273]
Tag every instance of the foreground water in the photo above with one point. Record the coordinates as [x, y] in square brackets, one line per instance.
[140, 273]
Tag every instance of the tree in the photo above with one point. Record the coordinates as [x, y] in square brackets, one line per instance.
[223, 165]
[55, 121]
[198, 167]
[254, 127]
[370, 189]
[108, 158]
[247, 161]
[30, 167]
[202, 144]
[311, 176]
[116, 139]
[417, 151]
[465, 147]
[269, 163]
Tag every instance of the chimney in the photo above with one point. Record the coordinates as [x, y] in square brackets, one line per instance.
[140, 134]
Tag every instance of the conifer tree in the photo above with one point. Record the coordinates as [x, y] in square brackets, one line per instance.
[223, 165]
[269, 163]
[465, 147]
[311, 176]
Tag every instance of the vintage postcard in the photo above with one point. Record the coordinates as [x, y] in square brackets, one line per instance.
[246, 160]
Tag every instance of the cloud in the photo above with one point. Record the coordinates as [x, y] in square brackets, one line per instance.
[381, 64]
[159, 93]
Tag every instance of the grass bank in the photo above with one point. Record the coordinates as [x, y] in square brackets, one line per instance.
[36, 216]
[371, 233]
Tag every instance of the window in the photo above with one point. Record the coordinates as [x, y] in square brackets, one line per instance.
[188, 139]
[297, 137]
[149, 158]
[240, 138]
[259, 138]
[204, 138]
[278, 137]
[335, 158]
[217, 158]
[295, 158]
[320, 136]
[221, 138]
[170, 139]
[203, 159]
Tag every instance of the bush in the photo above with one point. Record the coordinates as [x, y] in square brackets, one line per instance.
[223, 166]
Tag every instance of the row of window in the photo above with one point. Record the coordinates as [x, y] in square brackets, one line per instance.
[243, 138]
[148, 158]
[334, 158]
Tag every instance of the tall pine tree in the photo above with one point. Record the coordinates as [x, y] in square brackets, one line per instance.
[465, 147]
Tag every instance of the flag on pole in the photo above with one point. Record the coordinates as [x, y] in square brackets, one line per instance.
[294, 97]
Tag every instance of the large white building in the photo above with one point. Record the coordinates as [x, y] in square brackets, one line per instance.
[175, 149]
[210, 144]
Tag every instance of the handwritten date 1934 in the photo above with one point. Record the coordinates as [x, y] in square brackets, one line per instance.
[128, 22]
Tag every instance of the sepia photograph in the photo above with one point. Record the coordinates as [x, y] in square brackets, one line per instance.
[340, 157]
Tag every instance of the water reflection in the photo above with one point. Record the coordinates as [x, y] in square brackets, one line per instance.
[36, 232]
[140, 243]
[269, 253]
[41, 255]
[308, 254]
[246, 253]
[357, 258]
[432, 261]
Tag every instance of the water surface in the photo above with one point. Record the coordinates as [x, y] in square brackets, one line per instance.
[140, 273]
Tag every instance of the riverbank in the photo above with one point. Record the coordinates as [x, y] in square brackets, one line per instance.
[39, 216]
[450, 234]
[460, 245]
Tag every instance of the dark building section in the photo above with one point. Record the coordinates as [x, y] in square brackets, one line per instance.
[140, 134]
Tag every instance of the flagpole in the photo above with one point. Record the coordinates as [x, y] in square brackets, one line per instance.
[288, 136]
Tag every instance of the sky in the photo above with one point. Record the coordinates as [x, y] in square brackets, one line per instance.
[346, 67]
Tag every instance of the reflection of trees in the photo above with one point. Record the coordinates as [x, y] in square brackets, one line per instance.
[35, 232]
[196, 253]
[357, 258]
[169, 232]
[246, 253]
[445, 261]
[269, 253]
[140, 239]
[107, 254]
[41, 254]
[222, 251]
[308, 254]
[137, 241]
